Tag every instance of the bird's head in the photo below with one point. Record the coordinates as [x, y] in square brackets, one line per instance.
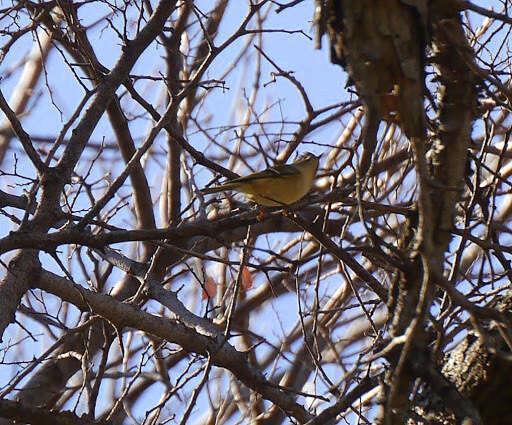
[306, 157]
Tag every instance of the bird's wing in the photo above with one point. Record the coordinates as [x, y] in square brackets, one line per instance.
[279, 171]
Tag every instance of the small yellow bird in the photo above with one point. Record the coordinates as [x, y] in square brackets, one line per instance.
[276, 186]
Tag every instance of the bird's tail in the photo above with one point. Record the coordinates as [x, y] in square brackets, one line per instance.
[216, 189]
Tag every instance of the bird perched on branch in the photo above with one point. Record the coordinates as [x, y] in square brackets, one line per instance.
[276, 186]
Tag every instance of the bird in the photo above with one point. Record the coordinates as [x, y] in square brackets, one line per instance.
[280, 185]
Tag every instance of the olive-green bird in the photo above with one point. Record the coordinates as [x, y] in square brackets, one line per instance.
[276, 186]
